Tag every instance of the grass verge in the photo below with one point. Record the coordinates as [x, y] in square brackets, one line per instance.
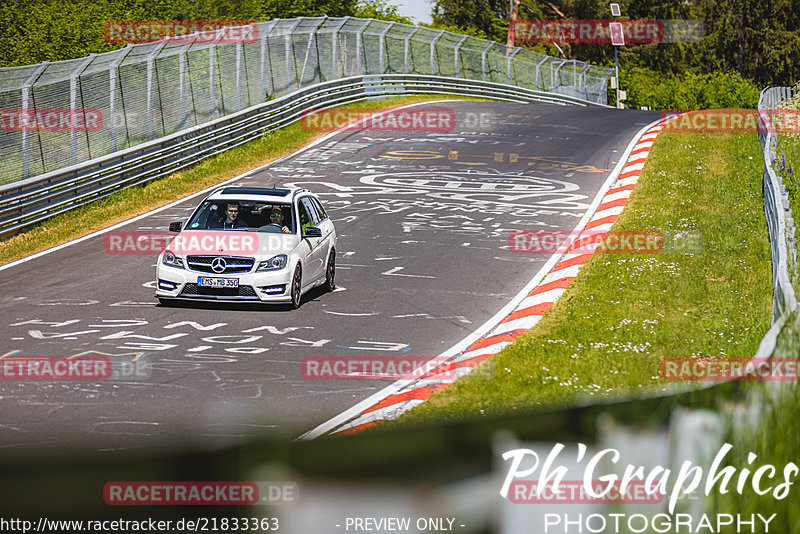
[135, 201]
[624, 314]
[788, 164]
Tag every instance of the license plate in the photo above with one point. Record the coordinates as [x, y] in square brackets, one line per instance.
[206, 281]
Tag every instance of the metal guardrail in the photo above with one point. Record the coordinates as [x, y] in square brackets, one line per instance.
[778, 212]
[26, 203]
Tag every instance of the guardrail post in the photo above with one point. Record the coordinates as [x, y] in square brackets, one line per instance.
[74, 74]
[26, 149]
[456, 56]
[508, 64]
[407, 48]
[382, 46]
[359, 45]
[433, 52]
[483, 60]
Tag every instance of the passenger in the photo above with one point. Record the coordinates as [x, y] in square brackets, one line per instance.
[232, 219]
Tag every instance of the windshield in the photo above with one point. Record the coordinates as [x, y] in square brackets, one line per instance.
[243, 215]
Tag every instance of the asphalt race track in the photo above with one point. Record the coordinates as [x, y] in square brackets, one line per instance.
[423, 260]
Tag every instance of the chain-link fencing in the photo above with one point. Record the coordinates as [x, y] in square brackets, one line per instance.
[143, 92]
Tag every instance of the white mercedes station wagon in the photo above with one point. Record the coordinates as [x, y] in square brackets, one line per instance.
[249, 244]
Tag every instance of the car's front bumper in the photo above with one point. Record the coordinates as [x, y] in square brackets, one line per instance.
[268, 286]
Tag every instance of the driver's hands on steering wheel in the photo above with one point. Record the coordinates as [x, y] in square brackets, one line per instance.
[285, 229]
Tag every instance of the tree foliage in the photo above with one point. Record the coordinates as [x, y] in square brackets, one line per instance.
[32, 31]
[758, 39]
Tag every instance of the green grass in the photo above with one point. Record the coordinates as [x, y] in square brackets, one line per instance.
[772, 436]
[789, 146]
[135, 201]
[608, 333]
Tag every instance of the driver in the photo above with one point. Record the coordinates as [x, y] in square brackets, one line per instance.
[276, 217]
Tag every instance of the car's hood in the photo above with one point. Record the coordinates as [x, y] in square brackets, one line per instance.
[232, 243]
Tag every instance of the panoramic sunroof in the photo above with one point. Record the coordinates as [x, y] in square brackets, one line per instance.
[255, 191]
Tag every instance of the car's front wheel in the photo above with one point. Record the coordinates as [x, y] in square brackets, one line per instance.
[330, 271]
[297, 286]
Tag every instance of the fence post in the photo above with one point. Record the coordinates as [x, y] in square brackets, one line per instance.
[483, 59]
[264, 57]
[74, 74]
[406, 48]
[312, 36]
[556, 73]
[456, 56]
[538, 65]
[582, 77]
[289, 54]
[433, 52]
[509, 66]
[359, 45]
[113, 67]
[212, 69]
[238, 76]
[26, 149]
[335, 47]
[382, 46]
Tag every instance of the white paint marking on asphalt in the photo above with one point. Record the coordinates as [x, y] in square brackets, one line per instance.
[351, 314]
[393, 272]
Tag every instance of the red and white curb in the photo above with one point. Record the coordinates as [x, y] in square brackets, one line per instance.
[522, 314]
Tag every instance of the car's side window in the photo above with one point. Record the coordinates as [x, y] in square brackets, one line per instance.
[305, 218]
[319, 208]
[314, 217]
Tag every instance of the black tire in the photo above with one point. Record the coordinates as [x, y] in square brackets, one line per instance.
[297, 287]
[330, 271]
[164, 303]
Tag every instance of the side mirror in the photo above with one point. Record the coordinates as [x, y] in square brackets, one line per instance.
[312, 231]
[175, 226]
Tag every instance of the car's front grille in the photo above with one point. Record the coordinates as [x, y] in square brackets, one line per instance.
[193, 290]
[233, 264]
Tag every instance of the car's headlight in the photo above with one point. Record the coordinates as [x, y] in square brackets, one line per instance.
[172, 260]
[273, 264]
